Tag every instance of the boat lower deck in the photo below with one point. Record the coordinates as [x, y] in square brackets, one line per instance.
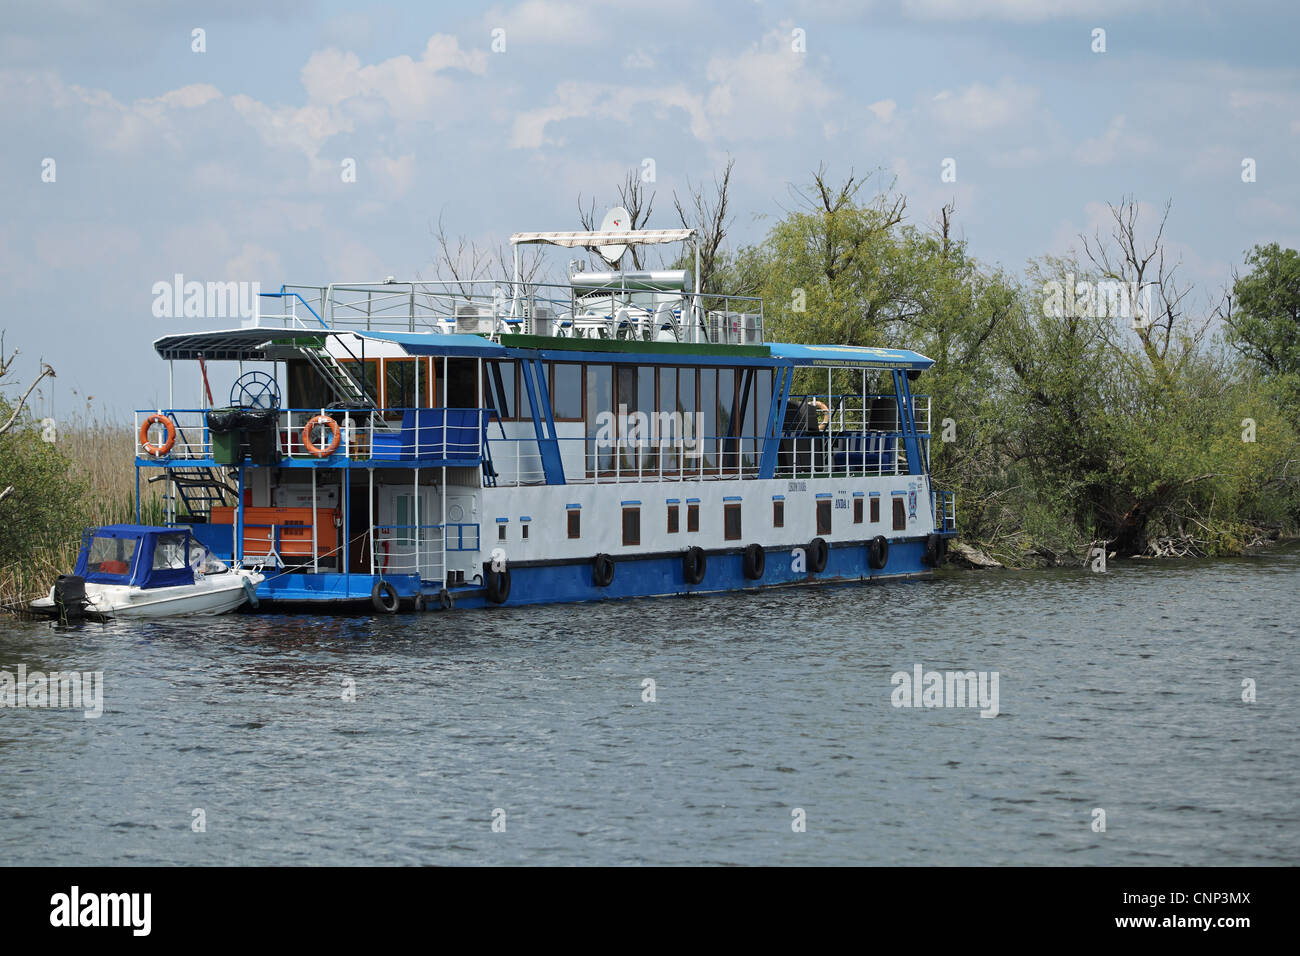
[556, 582]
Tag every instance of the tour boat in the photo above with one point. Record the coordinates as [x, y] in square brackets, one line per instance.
[132, 570]
[426, 445]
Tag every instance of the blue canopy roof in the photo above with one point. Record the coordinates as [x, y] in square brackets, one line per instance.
[129, 554]
[439, 343]
[852, 355]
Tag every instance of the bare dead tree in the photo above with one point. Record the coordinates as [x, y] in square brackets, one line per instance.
[633, 197]
[1138, 265]
[6, 366]
[842, 236]
[460, 260]
[708, 215]
[945, 226]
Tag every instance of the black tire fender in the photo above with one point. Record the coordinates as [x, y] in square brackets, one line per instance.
[602, 570]
[496, 584]
[383, 596]
[819, 553]
[694, 564]
[877, 553]
[755, 560]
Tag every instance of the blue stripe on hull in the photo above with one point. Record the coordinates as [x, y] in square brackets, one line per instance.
[658, 577]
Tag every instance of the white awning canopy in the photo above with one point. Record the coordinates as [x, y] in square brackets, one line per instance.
[589, 240]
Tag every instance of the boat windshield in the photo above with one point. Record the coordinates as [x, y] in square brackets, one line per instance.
[169, 553]
[111, 555]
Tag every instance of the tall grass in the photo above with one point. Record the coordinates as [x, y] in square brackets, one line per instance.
[100, 461]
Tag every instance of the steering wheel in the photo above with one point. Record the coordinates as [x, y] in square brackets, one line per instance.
[255, 390]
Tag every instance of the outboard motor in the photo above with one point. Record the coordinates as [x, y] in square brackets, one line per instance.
[70, 597]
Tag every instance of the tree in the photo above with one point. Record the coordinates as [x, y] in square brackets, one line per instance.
[6, 366]
[1263, 321]
[633, 197]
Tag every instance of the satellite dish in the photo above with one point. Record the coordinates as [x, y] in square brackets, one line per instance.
[617, 219]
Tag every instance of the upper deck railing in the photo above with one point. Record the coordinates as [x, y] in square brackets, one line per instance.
[640, 306]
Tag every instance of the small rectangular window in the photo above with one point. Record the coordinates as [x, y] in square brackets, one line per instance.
[692, 517]
[731, 521]
[900, 515]
[631, 526]
[857, 511]
[875, 510]
[524, 532]
[501, 532]
[575, 523]
[778, 514]
[674, 519]
[824, 516]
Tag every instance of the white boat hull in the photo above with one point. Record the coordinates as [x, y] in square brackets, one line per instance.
[210, 594]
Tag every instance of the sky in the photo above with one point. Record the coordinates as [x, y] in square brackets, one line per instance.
[229, 162]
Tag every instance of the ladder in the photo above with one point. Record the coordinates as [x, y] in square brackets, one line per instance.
[200, 488]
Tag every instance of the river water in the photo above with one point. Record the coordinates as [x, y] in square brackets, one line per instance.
[1119, 692]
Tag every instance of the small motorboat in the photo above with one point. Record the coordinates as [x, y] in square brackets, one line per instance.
[129, 570]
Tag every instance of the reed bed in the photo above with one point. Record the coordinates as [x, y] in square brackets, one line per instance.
[98, 456]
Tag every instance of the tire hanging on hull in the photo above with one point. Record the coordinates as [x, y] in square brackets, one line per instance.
[755, 561]
[877, 553]
[694, 564]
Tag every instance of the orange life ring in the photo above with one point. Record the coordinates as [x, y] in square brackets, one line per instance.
[335, 436]
[157, 418]
[823, 414]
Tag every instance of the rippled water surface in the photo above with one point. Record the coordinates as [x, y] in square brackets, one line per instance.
[1119, 691]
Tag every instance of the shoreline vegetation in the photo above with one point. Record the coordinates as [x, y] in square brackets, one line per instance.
[1096, 400]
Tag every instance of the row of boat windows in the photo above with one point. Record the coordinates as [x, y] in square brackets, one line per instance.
[731, 519]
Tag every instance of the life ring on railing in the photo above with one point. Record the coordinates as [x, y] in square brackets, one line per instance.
[384, 597]
[158, 418]
[335, 436]
[694, 564]
[755, 561]
[823, 414]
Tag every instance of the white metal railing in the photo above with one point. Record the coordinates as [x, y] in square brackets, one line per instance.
[438, 433]
[518, 461]
[491, 307]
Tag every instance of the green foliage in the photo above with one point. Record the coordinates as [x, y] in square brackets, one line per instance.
[1067, 429]
[45, 507]
[1265, 322]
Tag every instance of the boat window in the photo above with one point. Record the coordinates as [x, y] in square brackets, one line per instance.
[399, 385]
[169, 553]
[692, 517]
[731, 521]
[508, 402]
[674, 519]
[778, 514]
[566, 392]
[668, 430]
[306, 387]
[575, 523]
[875, 510]
[631, 526]
[709, 408]
[111, 555]
[900, 514]
[600, 396]
[824, 516]
[857, 511]
[369, 375]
